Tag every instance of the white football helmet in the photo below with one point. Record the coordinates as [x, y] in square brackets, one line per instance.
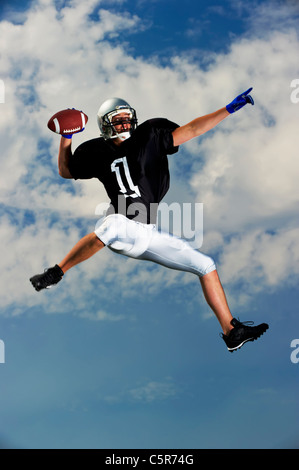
[110, 108]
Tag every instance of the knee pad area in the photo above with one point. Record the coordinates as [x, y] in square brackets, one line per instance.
[111, 229]
[123, 235]
[196, 261]
[208, 265]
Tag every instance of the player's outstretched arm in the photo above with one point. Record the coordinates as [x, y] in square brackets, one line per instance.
[203, 124]
[198, 126]
[64, 154]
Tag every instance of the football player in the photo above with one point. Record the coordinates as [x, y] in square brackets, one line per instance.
[131, 162]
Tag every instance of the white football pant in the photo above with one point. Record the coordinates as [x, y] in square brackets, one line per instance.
[144, 241]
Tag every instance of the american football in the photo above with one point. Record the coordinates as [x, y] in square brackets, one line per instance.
[68, 121]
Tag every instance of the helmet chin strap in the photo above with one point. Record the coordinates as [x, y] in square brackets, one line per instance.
[122, 135]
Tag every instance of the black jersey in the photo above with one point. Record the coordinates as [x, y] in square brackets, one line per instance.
[135, 174]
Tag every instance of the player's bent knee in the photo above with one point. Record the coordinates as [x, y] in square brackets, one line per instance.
[208, 265]
[110, 229]
[123, 235]
[99, 242]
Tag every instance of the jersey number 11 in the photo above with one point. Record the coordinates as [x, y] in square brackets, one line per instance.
[124, 179]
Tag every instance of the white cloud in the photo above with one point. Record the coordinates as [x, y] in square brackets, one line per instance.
[245, 172]
[153, 391]
[261, 258]
[101, 315]
[148, 392]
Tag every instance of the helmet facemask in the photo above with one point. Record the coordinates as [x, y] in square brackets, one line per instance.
[110, 123]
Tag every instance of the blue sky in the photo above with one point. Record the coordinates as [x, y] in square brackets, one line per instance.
[122, 353]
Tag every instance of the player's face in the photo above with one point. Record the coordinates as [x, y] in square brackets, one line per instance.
[121, 122]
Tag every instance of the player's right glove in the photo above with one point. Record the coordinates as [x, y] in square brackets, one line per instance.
[240, 101]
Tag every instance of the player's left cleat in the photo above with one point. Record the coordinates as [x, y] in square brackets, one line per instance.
[242, 333]
[47, 279]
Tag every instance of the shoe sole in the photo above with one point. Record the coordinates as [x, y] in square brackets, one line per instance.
[241, 344]
[246, 341]
[39, 288]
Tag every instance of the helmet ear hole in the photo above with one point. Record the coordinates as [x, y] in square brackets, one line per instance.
[110, 108]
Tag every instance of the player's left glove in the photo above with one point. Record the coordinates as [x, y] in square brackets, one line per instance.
[69, 136]
[240, 101]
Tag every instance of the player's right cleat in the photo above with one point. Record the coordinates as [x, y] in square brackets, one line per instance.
[241, 333]
[47, 279]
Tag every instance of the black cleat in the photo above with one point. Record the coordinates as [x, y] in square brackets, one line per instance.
[49, 278]
[242, 333]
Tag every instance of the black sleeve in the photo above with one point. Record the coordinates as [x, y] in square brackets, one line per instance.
[82, 164]
[163, 129]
